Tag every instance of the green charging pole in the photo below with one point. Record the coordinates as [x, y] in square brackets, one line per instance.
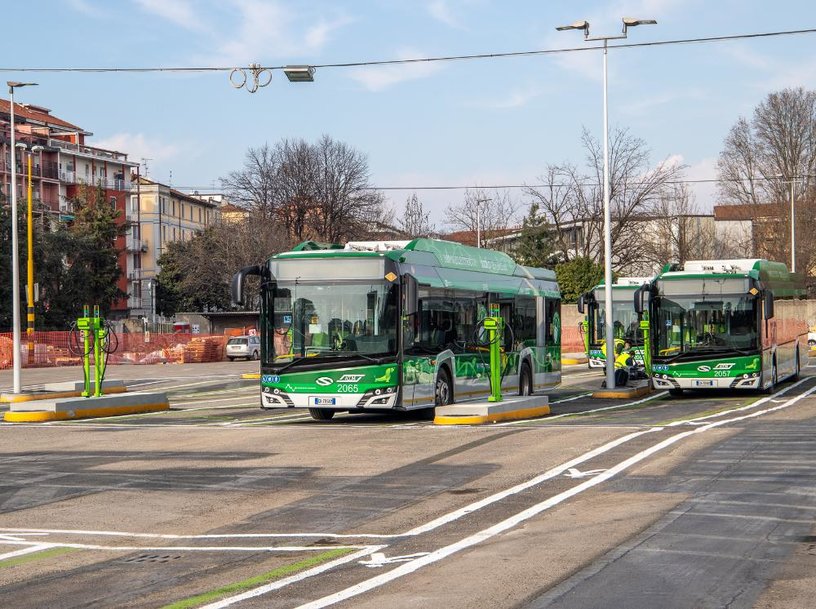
[92, 329]
[495, 330]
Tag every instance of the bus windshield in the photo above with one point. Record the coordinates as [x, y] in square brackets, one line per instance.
[699, 324]
[626, 322]
[333, 320]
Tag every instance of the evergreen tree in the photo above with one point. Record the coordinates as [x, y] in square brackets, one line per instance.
[577, 277]
[535, 247]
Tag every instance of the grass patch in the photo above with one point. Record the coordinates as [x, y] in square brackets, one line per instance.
[258, 580]
[20, 560]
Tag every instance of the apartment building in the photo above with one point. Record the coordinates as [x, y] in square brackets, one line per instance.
[61, 163]
[158, 215]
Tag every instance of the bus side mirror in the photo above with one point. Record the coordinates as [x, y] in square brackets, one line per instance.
[410, 291]
[237, 283]
[639, 300]
[769, 304]
[581, 304]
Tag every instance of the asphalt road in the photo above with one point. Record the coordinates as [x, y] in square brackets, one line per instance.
[703, 501]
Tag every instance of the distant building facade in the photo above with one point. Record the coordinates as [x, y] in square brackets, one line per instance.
[158, 215]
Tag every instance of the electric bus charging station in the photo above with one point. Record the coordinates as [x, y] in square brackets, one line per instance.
[85, 399]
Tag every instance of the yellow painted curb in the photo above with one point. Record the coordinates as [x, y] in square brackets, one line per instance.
[526, 413]
[569, 361]
[622, 394]
[15, 398]
[251, 375]
[41, 416]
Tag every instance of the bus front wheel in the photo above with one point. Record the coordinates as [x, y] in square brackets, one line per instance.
[321, 414]
[525, 380]
[676, 392]
[442, 391]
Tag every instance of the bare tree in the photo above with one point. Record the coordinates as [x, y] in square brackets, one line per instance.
[490, 215]
[415, 221]
[315, 191]
[572, 200]
[765, 159]
[254, 186]
[677, 231]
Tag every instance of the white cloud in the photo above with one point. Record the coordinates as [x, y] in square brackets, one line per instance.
[180, 12]
[515, 99]
[441, 11]
[85, 7]
[705, 192]
[139, 146]
[377, 78]
[271, 30]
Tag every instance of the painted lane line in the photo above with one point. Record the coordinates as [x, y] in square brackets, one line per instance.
[583, 412]
[292, 579]
[379, 559]
[203, 536]
[24, 551]
[759, 402]
[616, 406]
[575, 473]
[575, 397]
[552, 473]
[513, 521]
[88, 546]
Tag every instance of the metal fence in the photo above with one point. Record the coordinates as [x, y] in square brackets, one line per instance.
[65, 349]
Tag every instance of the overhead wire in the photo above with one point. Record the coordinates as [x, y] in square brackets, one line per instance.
[414, 60]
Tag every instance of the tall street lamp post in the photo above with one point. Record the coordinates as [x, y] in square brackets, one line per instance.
[791, 182]
[15, 263]
[610, 331]
[30, 263]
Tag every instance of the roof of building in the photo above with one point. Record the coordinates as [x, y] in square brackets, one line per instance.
[37, 114]
[747, 211]
[143, 181]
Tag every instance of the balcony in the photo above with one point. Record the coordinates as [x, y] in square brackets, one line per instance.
[135, 245]
[88, 151]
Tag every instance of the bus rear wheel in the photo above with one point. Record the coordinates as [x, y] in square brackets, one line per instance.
[321, 414]
[525, 380]
[443, 394]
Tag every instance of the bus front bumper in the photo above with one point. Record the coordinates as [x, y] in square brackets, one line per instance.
[743, 381]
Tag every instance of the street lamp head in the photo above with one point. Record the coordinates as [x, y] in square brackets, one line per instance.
[632, 22]
[13, 84]
[299, 73]
[578, 25]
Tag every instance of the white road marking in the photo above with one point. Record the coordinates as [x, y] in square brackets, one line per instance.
[24, 551]
[575, 473]
[697, 420]
[89, 546]
[277, 585]
[509, 523]
[91, 533]
[379, 559]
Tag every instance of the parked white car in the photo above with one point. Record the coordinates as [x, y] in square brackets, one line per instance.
[248, 347]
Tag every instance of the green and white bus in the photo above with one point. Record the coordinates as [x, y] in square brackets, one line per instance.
[379, 326]
[733, 324]
[626, 321]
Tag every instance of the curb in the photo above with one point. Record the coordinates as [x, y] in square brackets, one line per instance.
[571, 361]
[623, 393]
[16, 398]
[41, 416]
[526, 413]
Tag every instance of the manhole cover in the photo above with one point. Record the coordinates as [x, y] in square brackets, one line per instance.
[153, 558]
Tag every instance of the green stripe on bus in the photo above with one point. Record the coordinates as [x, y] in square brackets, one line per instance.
[258, 580]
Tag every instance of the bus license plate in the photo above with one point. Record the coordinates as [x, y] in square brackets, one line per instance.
[705, 383]
[322, 401]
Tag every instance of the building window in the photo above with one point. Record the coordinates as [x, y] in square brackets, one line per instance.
[113, 202]
[174, 208]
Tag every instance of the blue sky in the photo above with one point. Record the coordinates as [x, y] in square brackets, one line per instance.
[476, 123]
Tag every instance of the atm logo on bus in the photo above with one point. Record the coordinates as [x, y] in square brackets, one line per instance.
[351, 378]
[725, 366]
